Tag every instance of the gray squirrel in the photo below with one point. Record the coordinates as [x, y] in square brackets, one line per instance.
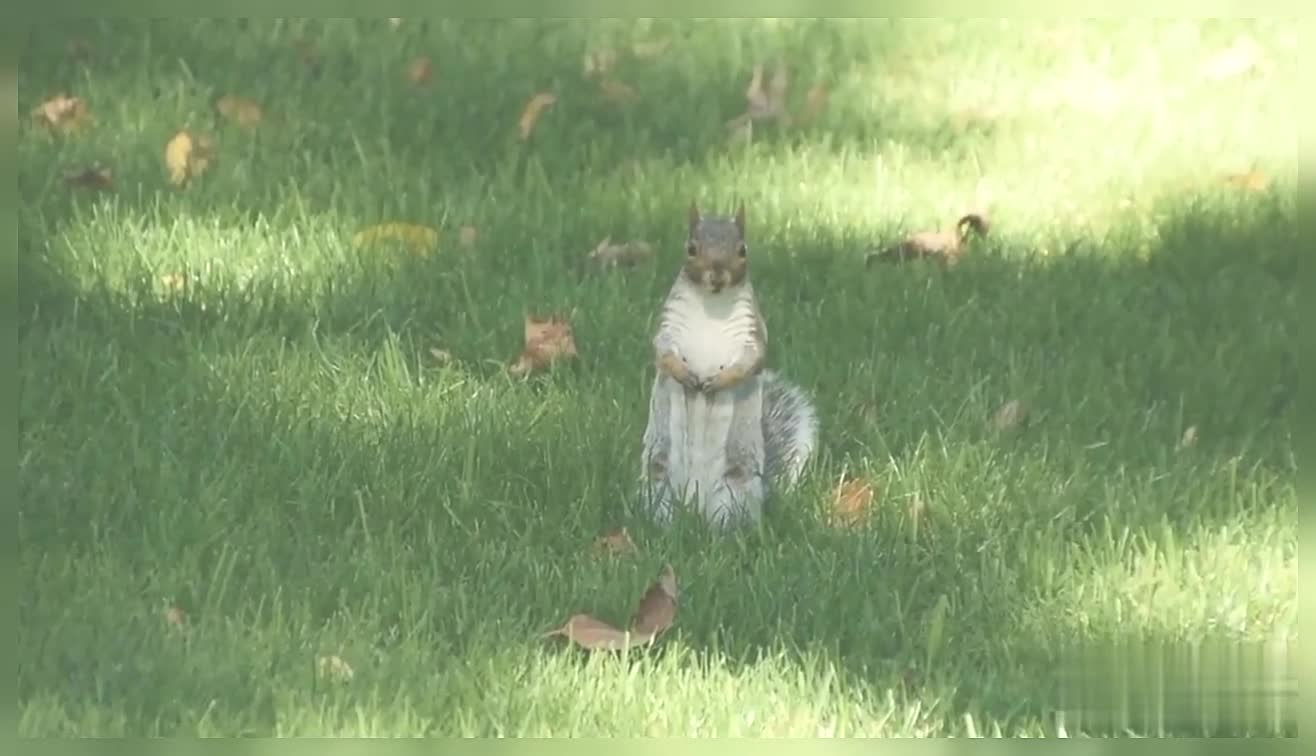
[722, 429]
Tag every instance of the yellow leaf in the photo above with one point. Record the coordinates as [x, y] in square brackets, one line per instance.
[334, 668]
[1253, 180]
[240, 110]
[187, 156]
[420, 239]
[533, 109]
[61, 113]
[614, 542]
[851, 502]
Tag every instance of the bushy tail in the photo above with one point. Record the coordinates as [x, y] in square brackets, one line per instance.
[790, 429]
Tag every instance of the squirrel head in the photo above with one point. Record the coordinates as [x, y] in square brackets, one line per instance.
[716, 256]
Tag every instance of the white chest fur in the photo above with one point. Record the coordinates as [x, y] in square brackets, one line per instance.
[711, 329]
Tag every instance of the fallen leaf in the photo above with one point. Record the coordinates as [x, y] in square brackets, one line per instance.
[334, 668]
[616, 92]
[598, 61]
[419, 239]
[1189, 438]
[596, 635]
[614, 543]
[240, 110]
[187, 156]
[61, 113]
[770, 103]
[851, 502]
[547, 340]
[441, 356]
[651, 48]
[1239, 58]
[1253, 180]
[175, 617]
[467, 236]
[173, 281]
[815, 102]
[626, 255]
[657, 607]
[94, 177]
[1010, 416]
[534, 107]
[420, 70]
[396, 23]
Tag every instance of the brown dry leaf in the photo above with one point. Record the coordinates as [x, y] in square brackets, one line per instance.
[547, 340]
[815, 102]
[187, 156]
[419, 239]
[598, 61]
[651, 48]
[1011, 415]
[441, 356]
[94, 177]
[240, 110]
[851, 502]
[1189, 438]
[596, 635]
[175, 617]
[617, 92]
[625, 255]
[334, 668]
[173, 281]
[61, 113]
[420, 70]
[657, 608]
[467, 236]
[1253, 180]
[534, 108]
[769, 103]
[615, 542]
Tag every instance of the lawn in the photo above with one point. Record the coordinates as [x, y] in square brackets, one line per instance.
[254, 453]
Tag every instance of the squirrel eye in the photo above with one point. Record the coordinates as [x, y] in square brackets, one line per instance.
[691, 249]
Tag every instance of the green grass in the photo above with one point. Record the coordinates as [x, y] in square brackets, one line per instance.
[274, 450]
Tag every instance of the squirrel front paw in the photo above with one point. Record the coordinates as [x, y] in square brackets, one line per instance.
[726, 378]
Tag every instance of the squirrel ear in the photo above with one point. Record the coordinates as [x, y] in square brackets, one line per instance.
[740, 217]
[694, 215]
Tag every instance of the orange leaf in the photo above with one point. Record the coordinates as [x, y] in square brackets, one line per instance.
[240, 110]
[420, 70]
[534, 107]
[547, 340]
[61, 113]
[187, 156]
[851, 502]
[614, 542]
